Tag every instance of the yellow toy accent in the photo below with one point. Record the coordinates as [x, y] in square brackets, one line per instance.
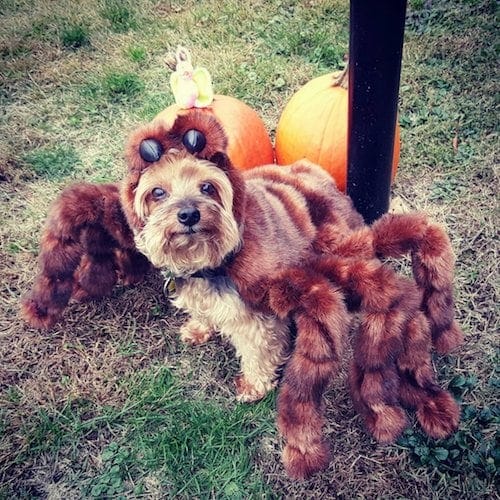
[192, 87]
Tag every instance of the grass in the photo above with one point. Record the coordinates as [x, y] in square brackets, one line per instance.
[137, 53]
[120, 86]
[75, 36]
[154, 422]
[120, 15]
[53, 163]
[109, 403]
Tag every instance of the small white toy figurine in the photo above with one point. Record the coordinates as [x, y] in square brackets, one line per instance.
[192, 87]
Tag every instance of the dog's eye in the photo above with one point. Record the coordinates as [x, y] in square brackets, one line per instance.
[158, 193]
[207, 188]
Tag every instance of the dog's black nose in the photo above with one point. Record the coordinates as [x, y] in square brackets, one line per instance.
[188, 216]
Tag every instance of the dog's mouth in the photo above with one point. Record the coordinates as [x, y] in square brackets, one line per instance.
[191, 231]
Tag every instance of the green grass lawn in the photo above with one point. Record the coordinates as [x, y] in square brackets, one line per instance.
[109, 403]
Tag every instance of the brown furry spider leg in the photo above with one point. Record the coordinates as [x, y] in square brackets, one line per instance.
[387, 302]
[437, 411]
[433, 267]
[395, 235]
[85, 245]
[392, 363]
[322, 323]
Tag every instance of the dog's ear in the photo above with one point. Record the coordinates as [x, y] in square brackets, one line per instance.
[222, 161]
[237, 182]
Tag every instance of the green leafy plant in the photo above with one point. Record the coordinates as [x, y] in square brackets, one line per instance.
[447, 188]
[474, 450]
[470, 450]
[111, 481]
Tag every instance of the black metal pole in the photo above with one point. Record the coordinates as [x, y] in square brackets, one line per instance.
[375, 52]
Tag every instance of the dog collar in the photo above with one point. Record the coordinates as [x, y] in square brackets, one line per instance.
[216, 272]
[210, 273]
[216, 275]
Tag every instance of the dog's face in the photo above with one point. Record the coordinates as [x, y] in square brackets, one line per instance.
[186, 208]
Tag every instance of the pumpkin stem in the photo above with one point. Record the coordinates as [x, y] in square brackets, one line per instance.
[342, 79]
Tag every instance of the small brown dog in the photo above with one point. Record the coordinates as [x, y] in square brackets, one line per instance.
[253, 253]
[188, 227]
[190, 230]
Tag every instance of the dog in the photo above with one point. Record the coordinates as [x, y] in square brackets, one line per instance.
[253, 253]
[190, 229]
[275, 259]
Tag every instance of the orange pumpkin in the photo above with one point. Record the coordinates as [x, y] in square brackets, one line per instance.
[313, 125]
[248, 143]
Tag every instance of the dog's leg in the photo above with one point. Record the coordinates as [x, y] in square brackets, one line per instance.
[433, 262]
[196, 331]
[262, 343]
[197, 299]
[322, 323]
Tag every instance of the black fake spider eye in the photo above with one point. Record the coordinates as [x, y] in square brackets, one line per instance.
[194, 140]
[207, 188]
[150, 150]
[158, 193]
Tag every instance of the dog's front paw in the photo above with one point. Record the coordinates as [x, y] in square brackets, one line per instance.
[194, 332]
[249, 393]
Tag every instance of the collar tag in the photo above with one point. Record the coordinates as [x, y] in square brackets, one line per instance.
[169, 284]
